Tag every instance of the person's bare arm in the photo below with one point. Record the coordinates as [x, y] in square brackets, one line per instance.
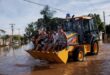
[38, 39]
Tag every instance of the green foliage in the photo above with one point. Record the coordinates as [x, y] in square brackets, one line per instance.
[40, 23]
[97, 21]
[101, 27]
[46, 21]
[47, 15]
[25, 39]
[3, 31]
[17, 37]
[30, 30]
[5, 37]
[51, 23]
[55, 22]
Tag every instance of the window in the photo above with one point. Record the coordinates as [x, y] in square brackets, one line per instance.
[86, 25]
[94, 26]
[72, 26]
[91, 23]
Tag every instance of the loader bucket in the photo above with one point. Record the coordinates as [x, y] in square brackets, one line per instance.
[58, 57]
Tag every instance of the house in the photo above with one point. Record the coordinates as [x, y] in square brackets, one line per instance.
[1, 42]
[2, 32]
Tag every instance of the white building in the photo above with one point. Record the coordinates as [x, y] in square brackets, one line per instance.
[1, 42]
[2, 32]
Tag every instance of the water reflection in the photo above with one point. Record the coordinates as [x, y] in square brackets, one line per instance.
[16, 61]
[4, 51]
[13, 59]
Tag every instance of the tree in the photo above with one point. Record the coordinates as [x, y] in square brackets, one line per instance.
[30, 30]
[46, 21]
[101, 27]
[97, 21]
[3, 31]
[4, 38]
[47, 15]
[16, 37]
[39, 23]
[55, 22]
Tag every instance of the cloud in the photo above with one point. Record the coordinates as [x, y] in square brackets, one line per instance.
[18, 12]
[22, 13]
[84, 7]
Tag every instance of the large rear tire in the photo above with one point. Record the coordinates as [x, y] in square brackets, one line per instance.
[78, 55]
[95, 48]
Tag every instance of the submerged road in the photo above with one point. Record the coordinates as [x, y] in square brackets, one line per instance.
[16, 61]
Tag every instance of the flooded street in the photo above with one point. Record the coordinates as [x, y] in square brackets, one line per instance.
[16, 61]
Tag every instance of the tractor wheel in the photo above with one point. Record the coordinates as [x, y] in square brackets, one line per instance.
[95, 48]
[78, 55]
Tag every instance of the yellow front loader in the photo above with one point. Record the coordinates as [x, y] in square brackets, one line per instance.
[79, 43]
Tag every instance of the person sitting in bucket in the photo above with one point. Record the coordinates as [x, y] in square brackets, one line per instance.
[62, 39]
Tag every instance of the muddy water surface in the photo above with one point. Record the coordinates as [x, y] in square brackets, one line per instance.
[15, 61]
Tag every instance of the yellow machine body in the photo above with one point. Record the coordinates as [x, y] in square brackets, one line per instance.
[59, 56]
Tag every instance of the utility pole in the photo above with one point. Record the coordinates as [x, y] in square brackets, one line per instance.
[104, 21]
[19, 35]
[105, 35]
[12, 29]
[18, 31]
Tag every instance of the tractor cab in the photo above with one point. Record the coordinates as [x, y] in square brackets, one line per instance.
[85, 28]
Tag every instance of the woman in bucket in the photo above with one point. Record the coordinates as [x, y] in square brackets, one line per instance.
[62, 39]
[40, 41]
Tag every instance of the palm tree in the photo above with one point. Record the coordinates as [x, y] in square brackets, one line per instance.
[2, 31]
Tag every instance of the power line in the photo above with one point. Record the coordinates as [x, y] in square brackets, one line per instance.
[45, 5]
[34, 3]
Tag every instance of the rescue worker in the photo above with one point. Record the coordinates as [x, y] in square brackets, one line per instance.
[73, 25]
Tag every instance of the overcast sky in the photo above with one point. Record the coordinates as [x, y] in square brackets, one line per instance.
[22, 13]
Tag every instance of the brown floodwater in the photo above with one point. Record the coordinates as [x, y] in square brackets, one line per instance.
[16, 61]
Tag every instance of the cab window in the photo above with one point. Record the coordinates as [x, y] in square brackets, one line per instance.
[92, 25]
[86, 25]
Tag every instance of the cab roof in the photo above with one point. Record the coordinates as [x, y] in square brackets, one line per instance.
[84, 17]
